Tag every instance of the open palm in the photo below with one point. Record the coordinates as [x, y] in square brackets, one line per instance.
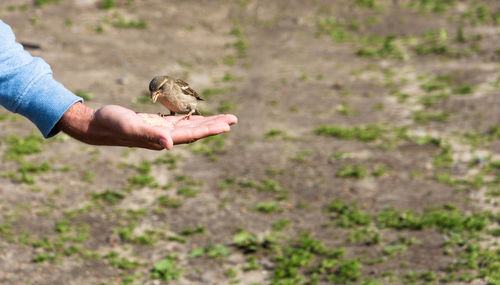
[119, 126]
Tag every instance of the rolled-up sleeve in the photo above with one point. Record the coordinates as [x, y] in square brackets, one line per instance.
[27, 86]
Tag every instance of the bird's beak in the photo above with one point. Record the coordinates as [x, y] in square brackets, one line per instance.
[155, 95]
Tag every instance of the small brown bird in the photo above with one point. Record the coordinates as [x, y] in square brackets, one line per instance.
[175, 95]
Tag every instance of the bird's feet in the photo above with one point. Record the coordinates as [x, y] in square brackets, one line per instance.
[165, 115]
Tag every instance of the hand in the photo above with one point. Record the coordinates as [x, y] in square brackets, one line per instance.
[119, 126]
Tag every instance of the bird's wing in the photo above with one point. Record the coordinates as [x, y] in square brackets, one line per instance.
[187, 90]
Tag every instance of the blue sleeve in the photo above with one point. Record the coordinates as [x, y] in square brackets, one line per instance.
[27, 86]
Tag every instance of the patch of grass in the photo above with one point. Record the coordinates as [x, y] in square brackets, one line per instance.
[168, 159]
[437, 43]
[347, 215]
[267, 208]
[210, 92]
[18, 147]
[364, 236]
[43, 256]
[108, 196]
[237, 32]
[444, 219]
[192, 231]
[89, 176]
[431, 99]
[350, 171]
[436, 6]
[116, 261]
[209, 146]
[187, 192]
[444, 158]
[228, 60]
[370, 4]
[280, 225]
[246, 241]
[107, 4]
[41, 3]
[334, 28]
[301, 156]
[380, 171]
[438, 83]
[463, 90]
[119, 21]
[387, 49]
[363, 133]
[167, 269]
[226, 106]
[241, 47]
[273, 133]
[166, 201]
[214, 251]
[266, 185]
[424, 117]
[348, 270]
[142, 180]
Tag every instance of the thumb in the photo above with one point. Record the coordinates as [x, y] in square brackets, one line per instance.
[167, 142]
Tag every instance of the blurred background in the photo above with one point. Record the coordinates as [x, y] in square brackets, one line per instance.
[367, 148]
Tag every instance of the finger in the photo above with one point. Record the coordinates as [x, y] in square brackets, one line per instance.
[167, 142]
[195, 121]
[186, 135]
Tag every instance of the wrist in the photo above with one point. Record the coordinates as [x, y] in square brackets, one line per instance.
[76, 121]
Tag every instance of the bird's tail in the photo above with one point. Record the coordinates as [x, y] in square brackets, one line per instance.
[196, 112]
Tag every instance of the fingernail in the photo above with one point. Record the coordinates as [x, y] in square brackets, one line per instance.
[163, 142]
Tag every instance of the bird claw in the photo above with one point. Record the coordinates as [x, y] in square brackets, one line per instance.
[164, 115]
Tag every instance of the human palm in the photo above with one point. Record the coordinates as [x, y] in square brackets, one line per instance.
[119, 126]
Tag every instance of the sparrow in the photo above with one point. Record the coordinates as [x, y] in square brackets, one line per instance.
[175, 95]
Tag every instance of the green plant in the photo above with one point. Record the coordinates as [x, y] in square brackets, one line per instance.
[187, 191]
[347, 215]
[246, 241]
[280, 224]
[333, 28]
[108, 196]
[115, 260]
[268, 207]
[167, 269]
[192, 231]
[41, 3]
[19, 147]
[107, 4]
[363, 133]
[350, 171]
[166, 201]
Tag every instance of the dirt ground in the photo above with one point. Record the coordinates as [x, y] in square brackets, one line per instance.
[367, 149]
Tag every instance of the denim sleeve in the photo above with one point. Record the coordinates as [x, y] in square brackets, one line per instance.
[27, 86]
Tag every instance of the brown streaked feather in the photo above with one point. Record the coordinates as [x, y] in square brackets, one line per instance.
[188, 90]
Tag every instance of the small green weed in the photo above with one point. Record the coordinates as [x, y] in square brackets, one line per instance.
[350, 171]
[347, 215]
[18, 147]
[363, 133]
[333, 28]
[41, 3]
[246, 241]
[267, 208]
[167, 269]
[192, 231]
[108, 196]
[166, 201]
